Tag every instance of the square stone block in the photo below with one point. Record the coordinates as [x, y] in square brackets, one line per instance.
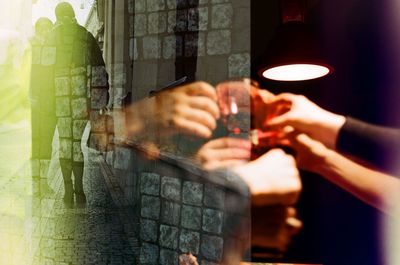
[212, 221]
[140, 6]
[172, 47]
[219, 42]
[78, 71]
[169, 236]
[62, 86]
[191, 217]
[155, 5]
[221, 16]
[170, 212]
[122, 158]
[78, 83]
[171, 188]
[99, 76]
[148, 230]
[212, 247]
[192, 193]
[77, 152]
[168, 257]
[64, 126]
[214, 196]
[62, 72]
[151, 47]
[157, 22]
[194, 45]
[49, 55]
[189, 241]
[177, 21]
[79, 108]
[65, 148]
[150, 207]
[98, 98]
[239, 65]
[149, 254]
[150, 183]
[140, 25]
[63, 107]
[198, 19]
[78, 128]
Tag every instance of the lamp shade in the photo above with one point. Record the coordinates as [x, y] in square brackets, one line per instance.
[293, 55]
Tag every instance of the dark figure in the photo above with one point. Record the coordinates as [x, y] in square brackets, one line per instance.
[81, 90]
[43, 119]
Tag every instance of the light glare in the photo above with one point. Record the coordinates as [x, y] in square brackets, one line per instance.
[296, 72]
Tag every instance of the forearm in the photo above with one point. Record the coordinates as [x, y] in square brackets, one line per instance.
[377, 189]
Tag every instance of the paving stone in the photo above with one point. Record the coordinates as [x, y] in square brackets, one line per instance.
[212, 221]
[98, 98]
[78, 83]
[79, 108]
[99, 76]
[189, 241]
[122, 158]
[140, 25]
[150, 207]
[140, 6]
[169, 236]
[155, 5]
[212, 247]
[149, 254]
[63, 107]
[171, 188]
[218, 42]
[77, 152]
[150, 183]
[157, 22]
[191, 217]
[65, 148]
[221, 16]
[198, 19]
[192, 193]
[78, 71]
[239, 65]
[64, 127]
[170, 213]
[172, 47]
[148, 230]
[62, 86]
[214, 196]
[168, 257]
[151, 47]
[78, 127]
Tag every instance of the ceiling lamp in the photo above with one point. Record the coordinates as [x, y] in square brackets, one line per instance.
[293, 53]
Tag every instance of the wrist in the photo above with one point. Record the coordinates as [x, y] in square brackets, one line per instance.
[325, 162]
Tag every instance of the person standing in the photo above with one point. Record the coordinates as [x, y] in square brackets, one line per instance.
[43, 119]
[81, 90]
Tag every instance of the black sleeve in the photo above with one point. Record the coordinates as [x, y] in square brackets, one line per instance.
[377, 145]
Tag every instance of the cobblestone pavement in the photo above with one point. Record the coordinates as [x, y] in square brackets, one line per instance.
[94, 234]
[42, 231]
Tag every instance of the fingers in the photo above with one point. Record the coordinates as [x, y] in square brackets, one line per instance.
[205, 104]
[213, 165]
[196, 115]
[227, 142]
[202, 89]
[191, 127]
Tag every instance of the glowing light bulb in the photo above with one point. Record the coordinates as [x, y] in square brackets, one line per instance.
[296, 72]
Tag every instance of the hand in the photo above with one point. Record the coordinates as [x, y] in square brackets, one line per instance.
[306, 117]
[310, 154]
[272, 179]
[224, 152]
[274, 226]
[191, 109]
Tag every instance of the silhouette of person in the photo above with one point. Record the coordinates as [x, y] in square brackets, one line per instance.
[43, 119]
[81, 90]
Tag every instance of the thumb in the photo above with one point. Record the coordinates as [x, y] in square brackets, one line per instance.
[278, 121]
